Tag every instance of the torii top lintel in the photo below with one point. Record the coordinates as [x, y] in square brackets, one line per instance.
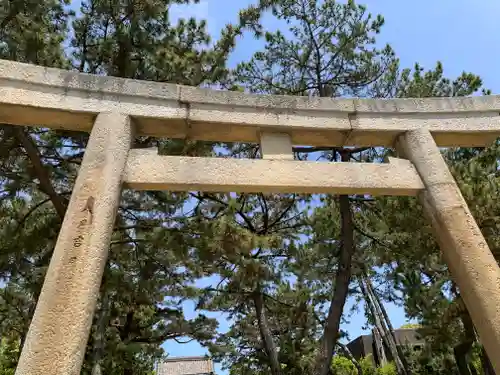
[38, 96]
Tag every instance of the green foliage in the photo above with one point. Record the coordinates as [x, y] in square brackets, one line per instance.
[432, 83]
[9, 350]
[388, 369]
[137, 40]
[33, 31]
[343, 366]
[367, 365]
[476, 358]
[410, 326]
[429, 362]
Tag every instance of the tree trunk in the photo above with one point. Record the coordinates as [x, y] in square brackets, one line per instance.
[400, 359]
[379, 347]
[379, 329]
[460, 352]
[265, 333]
[469, 338]
[341, 287]
[376, 311]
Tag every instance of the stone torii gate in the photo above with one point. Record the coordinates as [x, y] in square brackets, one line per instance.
[114, 110]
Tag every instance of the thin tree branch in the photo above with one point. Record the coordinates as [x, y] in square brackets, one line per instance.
[34, 208]
[41, 172]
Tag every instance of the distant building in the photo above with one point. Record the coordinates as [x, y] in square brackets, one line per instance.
[185, 366]
[364, 346]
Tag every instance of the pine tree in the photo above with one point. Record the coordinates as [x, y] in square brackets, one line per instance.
[330, 52]
[144, 285]
[403, 242]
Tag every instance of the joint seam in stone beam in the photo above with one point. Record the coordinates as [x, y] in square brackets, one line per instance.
[352, 116]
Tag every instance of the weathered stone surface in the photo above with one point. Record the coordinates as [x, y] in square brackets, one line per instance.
[276, 146]
[33, 95]
[58, 334]
[464, 248]
[287, 103]
[428, 105]
[146, 170]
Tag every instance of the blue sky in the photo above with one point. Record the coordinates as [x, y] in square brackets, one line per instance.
[463, 34]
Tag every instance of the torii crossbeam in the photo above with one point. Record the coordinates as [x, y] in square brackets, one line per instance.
[114, 110]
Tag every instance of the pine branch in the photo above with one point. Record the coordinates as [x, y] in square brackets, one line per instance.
[130, 241]
[245, 218]
[34, 208]
[40, 171]
[333, 149]
[371, 237]
[312, 149]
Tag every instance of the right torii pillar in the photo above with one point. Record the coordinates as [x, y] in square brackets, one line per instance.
[464, 248]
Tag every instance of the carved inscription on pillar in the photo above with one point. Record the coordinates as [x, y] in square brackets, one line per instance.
[83, 227]
[84, 223]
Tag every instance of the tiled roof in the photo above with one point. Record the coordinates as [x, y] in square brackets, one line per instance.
[185, 366]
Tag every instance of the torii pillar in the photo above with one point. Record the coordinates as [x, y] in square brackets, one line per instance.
[58, 334]
[464, 248]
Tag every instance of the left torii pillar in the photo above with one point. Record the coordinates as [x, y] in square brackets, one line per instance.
[58, 335]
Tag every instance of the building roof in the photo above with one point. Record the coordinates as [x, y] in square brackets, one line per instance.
[185, 366]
